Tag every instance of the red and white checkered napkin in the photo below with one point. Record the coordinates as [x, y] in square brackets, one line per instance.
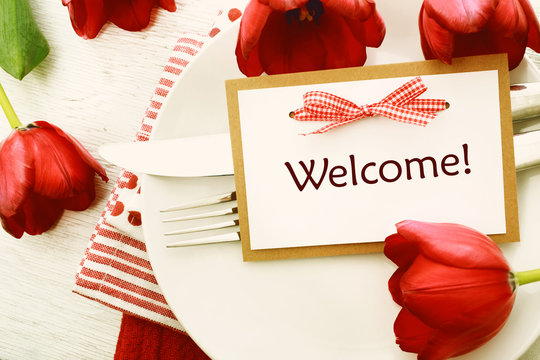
[115, 269]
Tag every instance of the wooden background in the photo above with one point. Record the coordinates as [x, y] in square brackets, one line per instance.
[97, 90]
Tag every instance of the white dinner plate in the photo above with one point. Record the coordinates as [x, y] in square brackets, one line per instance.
[318, 308]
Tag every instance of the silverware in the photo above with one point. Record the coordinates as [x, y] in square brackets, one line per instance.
[208, 155]
[527, 150]
[525, 100]
[220, 220]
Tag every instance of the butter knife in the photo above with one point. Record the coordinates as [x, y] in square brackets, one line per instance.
[208, 155]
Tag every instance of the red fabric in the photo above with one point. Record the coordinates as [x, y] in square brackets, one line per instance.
[143, 339]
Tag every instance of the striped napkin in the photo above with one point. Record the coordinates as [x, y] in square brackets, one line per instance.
[116, 269]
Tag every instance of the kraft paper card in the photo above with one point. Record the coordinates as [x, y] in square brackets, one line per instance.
[373, 155]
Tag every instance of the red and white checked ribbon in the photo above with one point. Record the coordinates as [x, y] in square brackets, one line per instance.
[400, 105]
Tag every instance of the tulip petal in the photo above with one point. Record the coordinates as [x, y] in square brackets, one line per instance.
[479, 43]
[509, 28]
[131, 15]
[83, 153]
[509, 19]
[400, 250]
[353, 9]
[79, 202]
[453, 244]
[514, 49]
[412, 334]
[428, 286]
[340, 45]
[428, 54]
[283, 5]
[394, 285]
[533, 37]
[36, 215]
[250, 66]
[375, 30]
[251, 26]
[286, 48]
[169, 5]
[59, 170]
[443, 345]
[370, 32]
[439, 40]
[12, 225]
[461, 16]
[40, 214]
[87, 17]
[16, 173]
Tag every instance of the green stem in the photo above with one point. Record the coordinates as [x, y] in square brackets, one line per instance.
[8, 110]
[525, 277]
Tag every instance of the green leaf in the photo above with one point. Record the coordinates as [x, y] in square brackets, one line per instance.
[22, 45]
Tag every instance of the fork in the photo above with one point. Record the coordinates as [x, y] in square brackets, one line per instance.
[220, 209]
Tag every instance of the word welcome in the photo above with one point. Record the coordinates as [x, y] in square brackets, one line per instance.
[371, 173]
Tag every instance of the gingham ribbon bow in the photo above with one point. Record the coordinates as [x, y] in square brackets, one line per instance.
[401, 105]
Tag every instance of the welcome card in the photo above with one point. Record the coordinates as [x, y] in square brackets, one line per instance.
[327, 162]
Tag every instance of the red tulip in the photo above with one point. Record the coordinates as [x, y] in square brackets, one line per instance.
[43, 171]
[284, 36]
[453, 28]
[88, 16]
[454, 285]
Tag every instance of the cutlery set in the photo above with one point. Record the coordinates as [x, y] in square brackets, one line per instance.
[227, 220]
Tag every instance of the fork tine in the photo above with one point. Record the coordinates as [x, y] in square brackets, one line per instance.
[204, 215]
[229, 224]
[230, 237]
[210, 200]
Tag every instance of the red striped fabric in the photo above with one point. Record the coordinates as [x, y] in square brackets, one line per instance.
[115, 269]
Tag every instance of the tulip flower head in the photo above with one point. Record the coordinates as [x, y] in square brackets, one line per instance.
[454, 285]
[89, 16]
[43, 171]
[453, 28]
[284, 36]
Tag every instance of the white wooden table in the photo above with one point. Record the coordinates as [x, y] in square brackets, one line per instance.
[97, 90]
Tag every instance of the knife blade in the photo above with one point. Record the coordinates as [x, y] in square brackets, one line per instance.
[208, 155]
[211, 155]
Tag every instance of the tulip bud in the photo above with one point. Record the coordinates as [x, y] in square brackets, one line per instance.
[453, 28]
[290, 36]
[43, 171]
[454, 285]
